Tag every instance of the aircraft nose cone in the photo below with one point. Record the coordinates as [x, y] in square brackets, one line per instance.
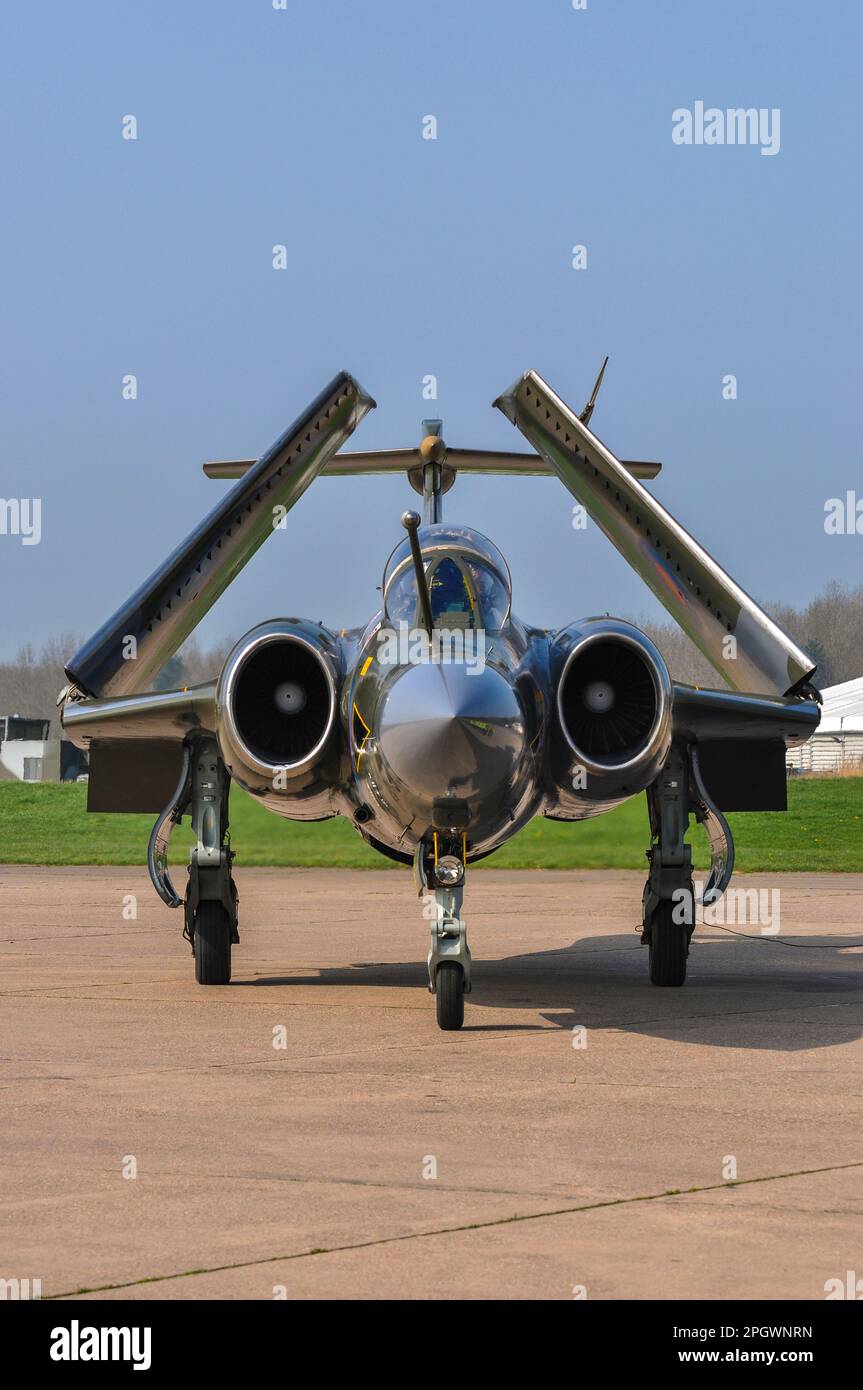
[447, 731]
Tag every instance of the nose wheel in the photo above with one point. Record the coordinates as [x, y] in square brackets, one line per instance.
[449, 996]
[441, 886]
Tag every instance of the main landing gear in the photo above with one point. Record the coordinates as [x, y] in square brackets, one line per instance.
[669, 900]
[440, 874]
[210, 905]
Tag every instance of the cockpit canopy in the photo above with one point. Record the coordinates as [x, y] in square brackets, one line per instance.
[468, 580]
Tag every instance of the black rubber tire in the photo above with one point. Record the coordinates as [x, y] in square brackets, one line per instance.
[212, 944]
[450, 996]
[669, 947]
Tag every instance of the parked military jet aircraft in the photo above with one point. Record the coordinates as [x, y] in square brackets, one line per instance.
[445, 724]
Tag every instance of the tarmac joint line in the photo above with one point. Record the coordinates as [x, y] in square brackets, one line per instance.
[455, 1230]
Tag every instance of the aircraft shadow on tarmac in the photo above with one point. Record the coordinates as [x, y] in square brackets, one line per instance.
[764, 996]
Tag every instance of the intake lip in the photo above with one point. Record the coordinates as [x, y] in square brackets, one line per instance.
[634, 722]
[266, 737]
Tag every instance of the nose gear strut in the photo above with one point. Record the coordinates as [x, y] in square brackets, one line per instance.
[440, 882]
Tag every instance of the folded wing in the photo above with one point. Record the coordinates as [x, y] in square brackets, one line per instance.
[706, 602]
[133, 645]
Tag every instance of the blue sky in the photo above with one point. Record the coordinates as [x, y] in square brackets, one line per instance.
[407, 257]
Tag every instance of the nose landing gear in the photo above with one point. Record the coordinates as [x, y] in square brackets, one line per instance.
[440, 880]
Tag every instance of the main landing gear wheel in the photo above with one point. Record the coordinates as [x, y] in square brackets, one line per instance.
[669, 946]
[212, 944]
[450, 996]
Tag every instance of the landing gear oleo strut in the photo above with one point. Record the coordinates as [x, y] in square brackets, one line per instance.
[210, 904]
[440, 880]
[670, 900]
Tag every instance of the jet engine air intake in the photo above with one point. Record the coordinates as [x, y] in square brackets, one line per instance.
[613, 707]
[282, 702]
[277, 700]
[608, 700]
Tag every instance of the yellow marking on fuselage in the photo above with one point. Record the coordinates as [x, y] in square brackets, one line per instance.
[366, 739]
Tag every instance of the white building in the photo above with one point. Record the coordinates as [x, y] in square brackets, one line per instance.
[25, 748]
[837, 744]
[28, 753]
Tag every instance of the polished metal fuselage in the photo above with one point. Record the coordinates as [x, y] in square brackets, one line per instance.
[445, 745]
